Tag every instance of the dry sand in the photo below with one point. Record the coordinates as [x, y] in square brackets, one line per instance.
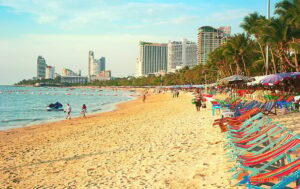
[163, 143]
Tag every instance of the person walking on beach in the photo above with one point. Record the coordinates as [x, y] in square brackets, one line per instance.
[83, 110]
[144, 95]
[68, 111]
[177, 93]
[198, 100]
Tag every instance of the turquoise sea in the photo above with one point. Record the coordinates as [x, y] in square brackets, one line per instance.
[23, 106]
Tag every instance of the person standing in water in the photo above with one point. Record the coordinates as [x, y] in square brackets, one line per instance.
[144, 95]
[68, 111]
[83, 110]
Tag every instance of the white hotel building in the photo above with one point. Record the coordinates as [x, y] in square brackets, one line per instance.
[152, 59]
[50, 71]
[180, 54]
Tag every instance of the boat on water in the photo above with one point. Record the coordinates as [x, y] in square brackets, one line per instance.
[55, 107]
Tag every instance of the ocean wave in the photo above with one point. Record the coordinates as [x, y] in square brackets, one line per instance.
[96, 110]
[20, 120]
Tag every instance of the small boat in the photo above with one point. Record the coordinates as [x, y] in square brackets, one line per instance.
[55, 107]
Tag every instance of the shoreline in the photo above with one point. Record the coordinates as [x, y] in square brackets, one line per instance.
[162, 143]
[114, 107]
[108, 108]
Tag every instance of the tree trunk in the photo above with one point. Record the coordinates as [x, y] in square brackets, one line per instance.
[237, 66]
[246, 71]
[273, 60]
[296, 61]
[231, 71]
[288, 61]
[262, 51]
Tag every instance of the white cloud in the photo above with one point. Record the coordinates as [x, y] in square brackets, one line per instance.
[45, 19]
[229, 15]
[69, 14]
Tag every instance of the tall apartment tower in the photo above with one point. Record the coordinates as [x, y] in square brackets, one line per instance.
[152, 58]
[181, 53]
[174, 55]
[50, 71]
[102, 63]
[41, 67]
[209, 39]
[90, 63]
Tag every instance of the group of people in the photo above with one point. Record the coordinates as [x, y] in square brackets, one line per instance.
[68, 111]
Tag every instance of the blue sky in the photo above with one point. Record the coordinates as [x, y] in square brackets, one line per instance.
[63, 31]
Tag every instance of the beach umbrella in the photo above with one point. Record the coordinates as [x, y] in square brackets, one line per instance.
[256, 80]
[274, 79]
[296, 74]
[234, 79]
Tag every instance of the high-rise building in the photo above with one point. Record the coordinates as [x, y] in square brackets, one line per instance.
[91, 63]
[102, 63]
[41, 67]
[225, 29]
[152, 58]
[67, 72]
[174, 55]
[181, 53]
[50, 71]
[209, 39]
[95, 66]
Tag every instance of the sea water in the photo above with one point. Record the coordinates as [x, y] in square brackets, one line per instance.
[23, 106]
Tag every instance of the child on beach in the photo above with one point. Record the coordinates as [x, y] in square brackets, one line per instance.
[83, 110]
[68, 111]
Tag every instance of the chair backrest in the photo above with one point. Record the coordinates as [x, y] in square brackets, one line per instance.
[280, 98]
[289, 99]
[269, 105]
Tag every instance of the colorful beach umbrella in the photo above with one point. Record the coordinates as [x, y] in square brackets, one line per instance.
[296, 74]
[274, 79]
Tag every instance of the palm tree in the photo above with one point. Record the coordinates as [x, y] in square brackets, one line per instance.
[289, 11]
[237, 47]
[278, 34]
[253, 24]
[217, 61]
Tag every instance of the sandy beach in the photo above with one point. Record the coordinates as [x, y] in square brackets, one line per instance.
[162, 143]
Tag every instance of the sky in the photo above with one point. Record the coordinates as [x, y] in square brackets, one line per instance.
[63, 31]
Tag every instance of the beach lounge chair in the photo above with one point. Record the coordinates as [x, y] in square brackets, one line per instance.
[279, 178]
[235, 121]
[268, 159]
[215, 106]
[285, 103]
[268, 107]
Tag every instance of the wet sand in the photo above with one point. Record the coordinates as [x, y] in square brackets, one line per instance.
[162, 143]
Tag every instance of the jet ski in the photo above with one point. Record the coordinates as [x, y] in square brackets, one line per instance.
[55, 107]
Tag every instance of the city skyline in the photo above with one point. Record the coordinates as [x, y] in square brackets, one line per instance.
[64, 34]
